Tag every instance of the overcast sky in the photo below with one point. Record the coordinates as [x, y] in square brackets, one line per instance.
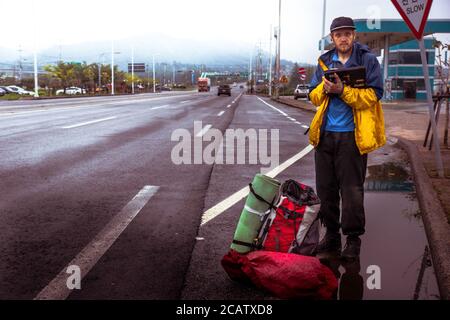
[240, 22]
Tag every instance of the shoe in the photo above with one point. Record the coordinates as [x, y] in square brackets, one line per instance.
[352, 248]
[331, 243]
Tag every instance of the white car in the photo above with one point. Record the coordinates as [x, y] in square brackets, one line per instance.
[71, 91]
[21, 91]
[301, 91]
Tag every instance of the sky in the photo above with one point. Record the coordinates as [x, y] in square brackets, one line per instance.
[245, 23]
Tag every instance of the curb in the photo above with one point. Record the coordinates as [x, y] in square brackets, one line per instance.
[435, 222]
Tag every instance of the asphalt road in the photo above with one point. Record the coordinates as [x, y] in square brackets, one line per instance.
[68, 167]
[91, 182]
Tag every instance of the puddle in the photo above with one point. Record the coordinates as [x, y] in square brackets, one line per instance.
[394, 263]
[388, 177]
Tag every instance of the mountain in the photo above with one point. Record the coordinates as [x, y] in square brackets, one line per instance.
[211, 52]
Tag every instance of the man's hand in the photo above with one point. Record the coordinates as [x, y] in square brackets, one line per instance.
[331, 87]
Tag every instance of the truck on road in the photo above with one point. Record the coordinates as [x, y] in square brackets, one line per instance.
[204, 84]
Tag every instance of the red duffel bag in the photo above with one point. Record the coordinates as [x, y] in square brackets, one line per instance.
[285, 275]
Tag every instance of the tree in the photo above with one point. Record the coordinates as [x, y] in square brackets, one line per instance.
[65, 72]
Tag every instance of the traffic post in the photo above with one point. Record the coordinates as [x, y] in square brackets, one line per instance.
[415, 14]
[302, 73]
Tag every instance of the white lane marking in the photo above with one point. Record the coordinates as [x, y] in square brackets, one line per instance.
[57, 289]
[204, 130]
[77, 106]
[228, 105]
[159, 107]
[227, 203]
[88, 122]
[282, 112]
[185, 101]
[220, 113]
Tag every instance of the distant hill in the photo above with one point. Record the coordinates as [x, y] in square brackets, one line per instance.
[169, 49]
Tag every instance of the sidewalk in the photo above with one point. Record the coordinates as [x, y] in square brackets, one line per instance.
[407, 122]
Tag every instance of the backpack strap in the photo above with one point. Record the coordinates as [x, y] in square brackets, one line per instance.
[246, 244]
[257, 196]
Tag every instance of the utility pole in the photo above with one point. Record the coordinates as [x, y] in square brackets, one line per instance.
[250, 72]
[173, 76]
[270, 63]
[132, 69]
[148, 76]
[112, 67]
[277, 72]
[20, 63]
[322, 42]
[154, 83]
[36, 82]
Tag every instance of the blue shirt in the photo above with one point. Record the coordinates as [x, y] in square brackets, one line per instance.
[339, 115]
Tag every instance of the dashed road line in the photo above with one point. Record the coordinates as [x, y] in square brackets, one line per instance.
[57, 289]
[220, 113]
[88, 122]
[160, 107]
[230, 201]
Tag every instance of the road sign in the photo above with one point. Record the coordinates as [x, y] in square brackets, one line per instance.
[138, 67]
[303, 77]
[284, 79]
[415, 13]
[301, 70]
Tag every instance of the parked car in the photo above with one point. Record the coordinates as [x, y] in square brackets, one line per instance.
[224, 89]
[71, 91]
[6, 89]
[301, 91]
[2, 92]
[21, 91]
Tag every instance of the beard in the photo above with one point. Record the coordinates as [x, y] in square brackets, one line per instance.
[344, 49]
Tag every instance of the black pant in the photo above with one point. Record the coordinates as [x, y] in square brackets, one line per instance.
[340, 173]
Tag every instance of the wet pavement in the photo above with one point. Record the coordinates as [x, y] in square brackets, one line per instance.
[395, 243]
[393, 263]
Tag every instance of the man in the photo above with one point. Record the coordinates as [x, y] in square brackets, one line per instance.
[348, 125]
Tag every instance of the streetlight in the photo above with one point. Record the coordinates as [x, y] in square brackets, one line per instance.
[322, 44]
[132, 70]
[153, 61]
[112, 67]
[277, 63]
[270, 63]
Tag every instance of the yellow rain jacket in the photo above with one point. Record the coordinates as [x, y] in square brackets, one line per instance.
[365, 102]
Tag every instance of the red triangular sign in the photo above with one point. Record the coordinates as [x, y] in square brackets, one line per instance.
[415, 13]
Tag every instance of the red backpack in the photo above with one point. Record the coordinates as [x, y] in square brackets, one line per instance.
[283, 228]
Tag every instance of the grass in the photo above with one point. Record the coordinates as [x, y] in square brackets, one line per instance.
[11, 96]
